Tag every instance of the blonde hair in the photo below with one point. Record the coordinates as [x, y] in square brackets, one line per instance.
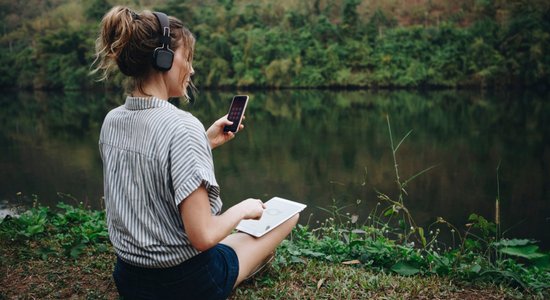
[127, 40]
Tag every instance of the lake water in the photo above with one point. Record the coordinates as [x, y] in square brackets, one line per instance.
[319, 147]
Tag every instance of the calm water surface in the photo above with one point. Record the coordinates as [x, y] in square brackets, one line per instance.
[319, 147]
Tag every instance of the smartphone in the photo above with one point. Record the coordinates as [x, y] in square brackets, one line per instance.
[236, 112]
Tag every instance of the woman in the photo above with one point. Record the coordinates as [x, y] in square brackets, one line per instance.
[161, 195]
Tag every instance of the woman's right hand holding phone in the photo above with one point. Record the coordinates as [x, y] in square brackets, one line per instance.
[217, 136]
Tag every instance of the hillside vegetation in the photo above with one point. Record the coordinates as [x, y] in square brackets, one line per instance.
[48, 44]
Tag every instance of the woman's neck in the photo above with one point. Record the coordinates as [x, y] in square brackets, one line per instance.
[153, 87]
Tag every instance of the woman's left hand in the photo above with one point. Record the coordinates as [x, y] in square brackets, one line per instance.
[217, 136]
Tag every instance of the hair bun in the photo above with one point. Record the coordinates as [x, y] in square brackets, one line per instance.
[118, 24]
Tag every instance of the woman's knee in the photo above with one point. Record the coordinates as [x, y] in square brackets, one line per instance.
[291, 223]
[294, 219]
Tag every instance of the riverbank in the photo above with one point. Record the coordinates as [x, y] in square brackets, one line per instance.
[65, 253]
[25, 276]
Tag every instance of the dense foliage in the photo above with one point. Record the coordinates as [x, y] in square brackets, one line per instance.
[341, 43]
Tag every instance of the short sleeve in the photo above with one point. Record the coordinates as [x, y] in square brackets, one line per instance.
[191, 163]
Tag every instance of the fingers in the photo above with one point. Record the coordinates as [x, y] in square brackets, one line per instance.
[253, 208]
[261, 210]
[242, 123]
[224, 121]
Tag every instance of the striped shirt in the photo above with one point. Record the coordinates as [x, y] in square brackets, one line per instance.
[154, 155]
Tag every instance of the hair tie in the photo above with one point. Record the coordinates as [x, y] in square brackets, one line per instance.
[134, 15]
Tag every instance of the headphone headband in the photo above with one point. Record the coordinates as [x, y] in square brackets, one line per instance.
[165, 28]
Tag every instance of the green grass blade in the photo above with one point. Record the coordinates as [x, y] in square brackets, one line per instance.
[402, 140]
[418, 174]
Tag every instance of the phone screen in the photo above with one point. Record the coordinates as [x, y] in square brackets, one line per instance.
[236, 112]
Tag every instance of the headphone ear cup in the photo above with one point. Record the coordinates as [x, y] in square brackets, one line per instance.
[163, 59]
[163, 56]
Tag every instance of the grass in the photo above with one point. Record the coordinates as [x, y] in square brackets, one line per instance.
[27, 275]
[56, 277]
[314, 279]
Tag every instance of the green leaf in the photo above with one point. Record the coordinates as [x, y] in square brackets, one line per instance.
[356, 243]
[475, 268]
[76, 250]
[422, 237]
[35, 229]
[312, 253]
[513, 242]
[543, 262]
[102, 248]
[402, 224]
[528, 252]
[44, 252]
[405, 269]
[295, 252]
[296, 260]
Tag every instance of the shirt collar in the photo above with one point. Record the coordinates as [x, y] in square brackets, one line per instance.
[139, 103]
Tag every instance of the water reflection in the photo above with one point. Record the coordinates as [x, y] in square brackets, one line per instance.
[314, 146]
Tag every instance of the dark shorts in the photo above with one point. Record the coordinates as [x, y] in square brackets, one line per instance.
[209, 275]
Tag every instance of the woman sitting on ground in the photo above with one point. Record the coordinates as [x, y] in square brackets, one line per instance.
[161, 195]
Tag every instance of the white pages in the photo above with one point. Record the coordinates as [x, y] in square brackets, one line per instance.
[277, 211]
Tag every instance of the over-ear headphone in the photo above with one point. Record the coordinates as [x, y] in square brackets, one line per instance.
[163, 56]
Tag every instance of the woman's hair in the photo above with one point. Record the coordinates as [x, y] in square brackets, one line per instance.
[128, 40]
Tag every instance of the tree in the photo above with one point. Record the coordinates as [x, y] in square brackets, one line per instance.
[95, 9]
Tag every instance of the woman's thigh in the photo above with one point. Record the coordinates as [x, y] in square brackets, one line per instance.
[252, 251]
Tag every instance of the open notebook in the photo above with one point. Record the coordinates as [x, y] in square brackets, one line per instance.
[277, 211]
